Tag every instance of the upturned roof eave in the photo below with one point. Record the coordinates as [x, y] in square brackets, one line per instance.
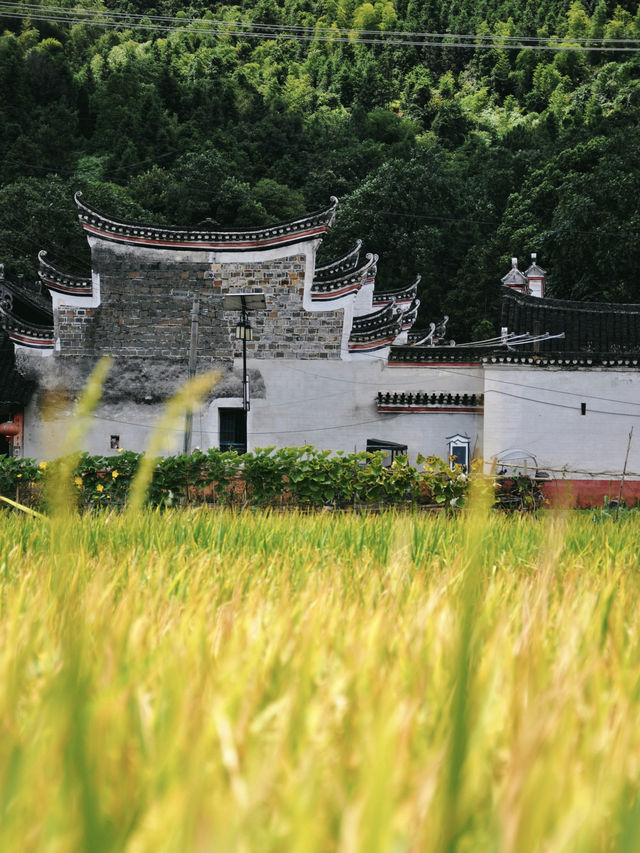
[407, 292]
[342, 265]
[303, 229]
[353, 277]
[62, 282]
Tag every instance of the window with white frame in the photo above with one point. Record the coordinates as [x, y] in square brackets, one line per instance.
[459, 450]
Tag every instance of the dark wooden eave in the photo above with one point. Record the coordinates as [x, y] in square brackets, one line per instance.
[376, 330]
[335, 287]
[310, 227]
[61, 282]
[341, 266]
[381, 319]
[409, 314]
[588, 327]
[403, 294]
[26, 334]
[26, 300]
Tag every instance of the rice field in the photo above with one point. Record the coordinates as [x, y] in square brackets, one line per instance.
[200, 681]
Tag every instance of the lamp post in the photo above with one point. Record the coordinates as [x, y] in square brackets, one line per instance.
[193, 351]
[244, 333]
[244, 302]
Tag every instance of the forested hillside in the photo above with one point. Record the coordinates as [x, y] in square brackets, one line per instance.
[449, 154]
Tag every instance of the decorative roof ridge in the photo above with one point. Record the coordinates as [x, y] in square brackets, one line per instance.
[488, 355]
[345, 278]
[37, 300]
[417, 336]
[382, 334]
[62, 282]
[304, 228]
[375, 338]
[8, 318]
[25, 333]
[376, 319]
[418, 353]
[409, 314]
[346, 262]
[573, 305]
[407, 292]
[569, 359]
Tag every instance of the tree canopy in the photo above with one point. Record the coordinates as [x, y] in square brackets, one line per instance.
[447, 159]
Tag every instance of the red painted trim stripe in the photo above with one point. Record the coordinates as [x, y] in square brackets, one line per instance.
[37, 343]
[194, 244]
[334, 294]
[60, 288]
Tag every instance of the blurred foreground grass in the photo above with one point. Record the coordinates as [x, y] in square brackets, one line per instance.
[253, 682]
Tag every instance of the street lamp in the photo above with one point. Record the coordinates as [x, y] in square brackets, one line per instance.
[244, 302]
[244, 333]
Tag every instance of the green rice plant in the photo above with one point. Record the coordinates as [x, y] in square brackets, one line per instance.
[192, 679]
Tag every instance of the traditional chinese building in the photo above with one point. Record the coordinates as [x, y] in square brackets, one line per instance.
[330, 360]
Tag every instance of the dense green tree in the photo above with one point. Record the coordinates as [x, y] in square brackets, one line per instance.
[447, 160]
[580, 213]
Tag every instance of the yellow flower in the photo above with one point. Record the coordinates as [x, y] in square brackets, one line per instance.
[100, 487]
[43, 466]
[19, 476]
[78, 481]
[120, 449]
[114, 474]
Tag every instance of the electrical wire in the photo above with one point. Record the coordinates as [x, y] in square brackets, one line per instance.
[397, 38]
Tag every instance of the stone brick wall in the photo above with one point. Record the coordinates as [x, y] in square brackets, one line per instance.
[75, 328]
[147, 297]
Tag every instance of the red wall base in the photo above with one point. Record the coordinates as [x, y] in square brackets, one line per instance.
[589, 493]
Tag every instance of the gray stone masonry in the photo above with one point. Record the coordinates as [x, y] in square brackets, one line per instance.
[146, 302]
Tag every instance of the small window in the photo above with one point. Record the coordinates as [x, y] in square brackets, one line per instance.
[233, 430]
[459, 451]
[114, 442]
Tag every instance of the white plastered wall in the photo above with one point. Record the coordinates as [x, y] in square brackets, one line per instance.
[333, 405]
[540, 410]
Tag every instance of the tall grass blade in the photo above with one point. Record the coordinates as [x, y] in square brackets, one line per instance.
[59, 491]
[186, 399]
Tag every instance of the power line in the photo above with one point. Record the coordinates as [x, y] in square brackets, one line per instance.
[250, 432]
[182, 21]
[564, 405]
[398, 38]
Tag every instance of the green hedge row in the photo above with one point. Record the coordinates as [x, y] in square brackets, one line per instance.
[296, 476]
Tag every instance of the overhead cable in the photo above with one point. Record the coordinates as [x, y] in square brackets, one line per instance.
[250, 30]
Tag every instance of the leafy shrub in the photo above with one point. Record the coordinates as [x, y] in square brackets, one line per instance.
[289, 476]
